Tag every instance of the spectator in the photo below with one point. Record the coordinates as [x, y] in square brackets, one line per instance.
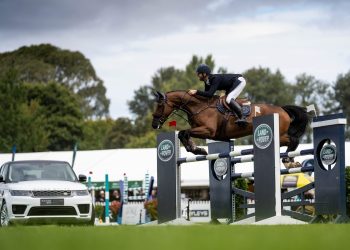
[115, 195]
[100, 204]
[101, 197]
[115, 204]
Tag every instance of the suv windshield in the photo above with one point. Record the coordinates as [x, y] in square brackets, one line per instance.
[29, 171]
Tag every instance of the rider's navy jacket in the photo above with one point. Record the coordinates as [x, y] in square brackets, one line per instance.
[215, 82]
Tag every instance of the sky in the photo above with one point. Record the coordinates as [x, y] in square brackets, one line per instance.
[127, 41]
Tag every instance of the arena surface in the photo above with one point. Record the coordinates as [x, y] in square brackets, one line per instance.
[316, 236]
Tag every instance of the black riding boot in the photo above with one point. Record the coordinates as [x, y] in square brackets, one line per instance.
[238, 110]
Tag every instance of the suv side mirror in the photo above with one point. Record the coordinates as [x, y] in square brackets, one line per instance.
[2, 178]
[82, 178]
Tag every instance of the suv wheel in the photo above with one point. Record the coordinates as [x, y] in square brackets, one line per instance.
[4, 216]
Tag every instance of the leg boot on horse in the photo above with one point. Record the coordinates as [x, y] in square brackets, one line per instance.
[188, 143]
[235, 107]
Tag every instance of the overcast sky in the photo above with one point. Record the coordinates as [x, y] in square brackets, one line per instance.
[127, 41]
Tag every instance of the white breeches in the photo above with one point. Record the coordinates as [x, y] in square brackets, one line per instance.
[235, 93]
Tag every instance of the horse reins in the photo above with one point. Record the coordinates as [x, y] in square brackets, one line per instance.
[182, 108]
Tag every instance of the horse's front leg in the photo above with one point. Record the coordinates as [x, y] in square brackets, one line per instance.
[185, 138]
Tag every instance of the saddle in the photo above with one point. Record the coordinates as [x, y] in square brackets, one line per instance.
[223, 107]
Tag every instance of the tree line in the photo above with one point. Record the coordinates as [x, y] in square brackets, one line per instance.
[52, 99]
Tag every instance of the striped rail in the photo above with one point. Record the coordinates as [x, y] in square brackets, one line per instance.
[215, 156]
[244, 153]
[283, 172]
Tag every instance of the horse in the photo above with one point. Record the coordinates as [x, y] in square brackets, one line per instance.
[207, 122]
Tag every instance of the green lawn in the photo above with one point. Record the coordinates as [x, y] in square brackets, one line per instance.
[296, 237]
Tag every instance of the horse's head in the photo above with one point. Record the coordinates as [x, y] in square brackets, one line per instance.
[162, 110]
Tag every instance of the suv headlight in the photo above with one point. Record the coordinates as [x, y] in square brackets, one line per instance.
[80, 192]
[21, 193]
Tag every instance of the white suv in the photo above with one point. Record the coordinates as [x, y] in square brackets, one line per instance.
[43, 192]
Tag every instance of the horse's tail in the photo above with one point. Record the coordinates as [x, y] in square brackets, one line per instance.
[297, 128]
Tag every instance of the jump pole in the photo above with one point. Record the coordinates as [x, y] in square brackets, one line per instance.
[106, 199]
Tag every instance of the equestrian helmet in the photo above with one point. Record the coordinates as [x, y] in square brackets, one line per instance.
[203, 68]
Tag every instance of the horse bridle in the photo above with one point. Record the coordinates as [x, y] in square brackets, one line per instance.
[161, 119]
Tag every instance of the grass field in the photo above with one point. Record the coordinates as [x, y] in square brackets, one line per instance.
[321, 236]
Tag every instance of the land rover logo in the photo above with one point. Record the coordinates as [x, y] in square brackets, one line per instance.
[165, 150]
[220, 167]
[328, 154]
[263, 136]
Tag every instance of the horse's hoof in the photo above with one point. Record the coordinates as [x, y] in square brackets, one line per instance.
[288, 160]
[291, 165]
[200, 151]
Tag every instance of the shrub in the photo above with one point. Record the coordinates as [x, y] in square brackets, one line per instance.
[240, 183]
[99, 211]
[151, 208]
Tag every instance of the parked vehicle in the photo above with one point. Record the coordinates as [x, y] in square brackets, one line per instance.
[43, 192]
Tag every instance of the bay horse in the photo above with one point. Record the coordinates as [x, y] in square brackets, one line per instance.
[207, 122]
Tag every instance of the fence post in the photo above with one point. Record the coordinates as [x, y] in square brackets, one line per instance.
[329, 151]
[220, 184]
[168, 177]
[267, 167]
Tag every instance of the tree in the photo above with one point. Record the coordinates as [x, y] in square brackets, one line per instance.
[95, 133]
[120, 134]
[308, 90]
[263, 86]
[11, 96]
[342, 97]
[33, 138]
[21, 122]
[342, 93]
[149, 139]
[63, 118]
[46, 63]
[142, 102]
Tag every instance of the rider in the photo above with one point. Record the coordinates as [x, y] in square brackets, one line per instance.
[233, 84]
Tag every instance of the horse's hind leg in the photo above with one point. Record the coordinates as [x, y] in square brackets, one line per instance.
[292, 144]
[185, 138]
